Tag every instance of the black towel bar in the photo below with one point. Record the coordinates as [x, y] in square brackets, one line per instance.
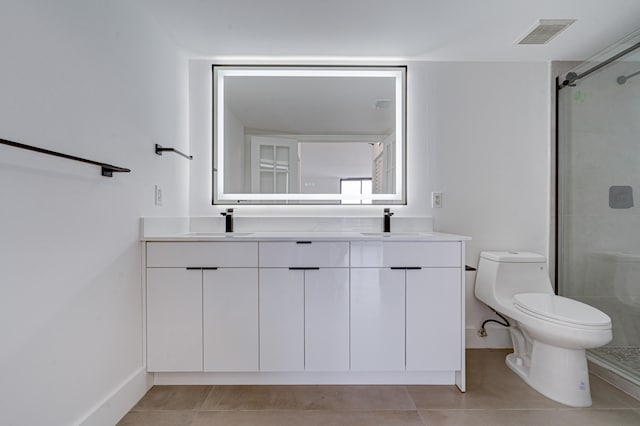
[107, 169]
[160, 150]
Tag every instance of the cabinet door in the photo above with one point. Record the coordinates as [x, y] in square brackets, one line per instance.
[174, 319]
[434, 319]
[326, 311]
[281, 320]
[377, 319]
[230, 309]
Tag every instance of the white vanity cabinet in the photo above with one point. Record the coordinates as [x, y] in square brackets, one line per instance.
[202, 306]
[377, 319]
[304, 306]
[434, 319]
[230, 319]
[281, 320]
[406, 308]
[326, 319]
[276, 310]
[174, 322]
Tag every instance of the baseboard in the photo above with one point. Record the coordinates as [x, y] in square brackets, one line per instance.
[109, 411]
[309, 378]
[496, 338]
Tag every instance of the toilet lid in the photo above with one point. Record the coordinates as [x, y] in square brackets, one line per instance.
[561, 309]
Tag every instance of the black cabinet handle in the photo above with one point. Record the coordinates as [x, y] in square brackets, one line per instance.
[303, 242]
[405, 268]
[304, 268]
[202, 268]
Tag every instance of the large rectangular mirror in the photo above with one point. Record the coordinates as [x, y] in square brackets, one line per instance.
[309, 135]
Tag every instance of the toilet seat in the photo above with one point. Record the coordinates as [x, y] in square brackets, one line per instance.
[561, 310]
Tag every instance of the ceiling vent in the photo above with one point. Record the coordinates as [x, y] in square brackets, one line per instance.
[545, 30]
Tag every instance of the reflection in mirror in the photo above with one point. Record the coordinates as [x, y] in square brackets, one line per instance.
[309, 135]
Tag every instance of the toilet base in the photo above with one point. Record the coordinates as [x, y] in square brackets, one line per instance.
[558, 373]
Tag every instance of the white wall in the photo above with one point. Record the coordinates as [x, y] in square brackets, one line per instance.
[478, 132]
[487, 130]
[91, 79]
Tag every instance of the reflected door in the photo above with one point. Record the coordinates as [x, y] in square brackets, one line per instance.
[274, 165]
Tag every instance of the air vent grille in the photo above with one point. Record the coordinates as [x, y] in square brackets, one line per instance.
[545, 30]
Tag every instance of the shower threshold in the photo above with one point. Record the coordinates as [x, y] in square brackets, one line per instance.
[619, 366]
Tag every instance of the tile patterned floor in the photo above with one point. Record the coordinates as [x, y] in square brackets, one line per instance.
[495, 396]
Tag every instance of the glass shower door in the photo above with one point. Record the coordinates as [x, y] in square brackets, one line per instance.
[598, 194]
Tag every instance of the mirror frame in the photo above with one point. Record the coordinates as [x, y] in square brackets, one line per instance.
[220, 72]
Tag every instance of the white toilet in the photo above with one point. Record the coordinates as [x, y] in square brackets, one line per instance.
[550, 333]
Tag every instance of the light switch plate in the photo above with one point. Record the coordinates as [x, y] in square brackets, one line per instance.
[158, 195]
[436, 200]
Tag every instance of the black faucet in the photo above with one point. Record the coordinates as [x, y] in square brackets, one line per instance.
[228, 223]
[387, 220]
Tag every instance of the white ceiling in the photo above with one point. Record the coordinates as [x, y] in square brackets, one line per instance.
[444, 30]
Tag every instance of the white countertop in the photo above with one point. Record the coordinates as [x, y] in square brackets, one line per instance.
[306, 235]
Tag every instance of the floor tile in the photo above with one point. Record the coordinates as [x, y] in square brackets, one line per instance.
[173, 398]
[496, 396]
[488, 366]
[309, 398]
[490, 384]
[308, 418]
[487, 417]
[597, 417]
[547, 417]
[605, 395]
[499, 397]
[158, 418]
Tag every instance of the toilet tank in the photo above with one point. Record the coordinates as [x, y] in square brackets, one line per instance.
[501, 275]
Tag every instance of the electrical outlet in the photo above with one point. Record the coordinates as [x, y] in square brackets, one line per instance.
[158, 195]
[436, 200]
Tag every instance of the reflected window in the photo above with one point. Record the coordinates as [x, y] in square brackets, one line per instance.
[353, 190]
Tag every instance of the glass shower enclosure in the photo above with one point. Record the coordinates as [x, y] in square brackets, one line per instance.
[598, 196]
